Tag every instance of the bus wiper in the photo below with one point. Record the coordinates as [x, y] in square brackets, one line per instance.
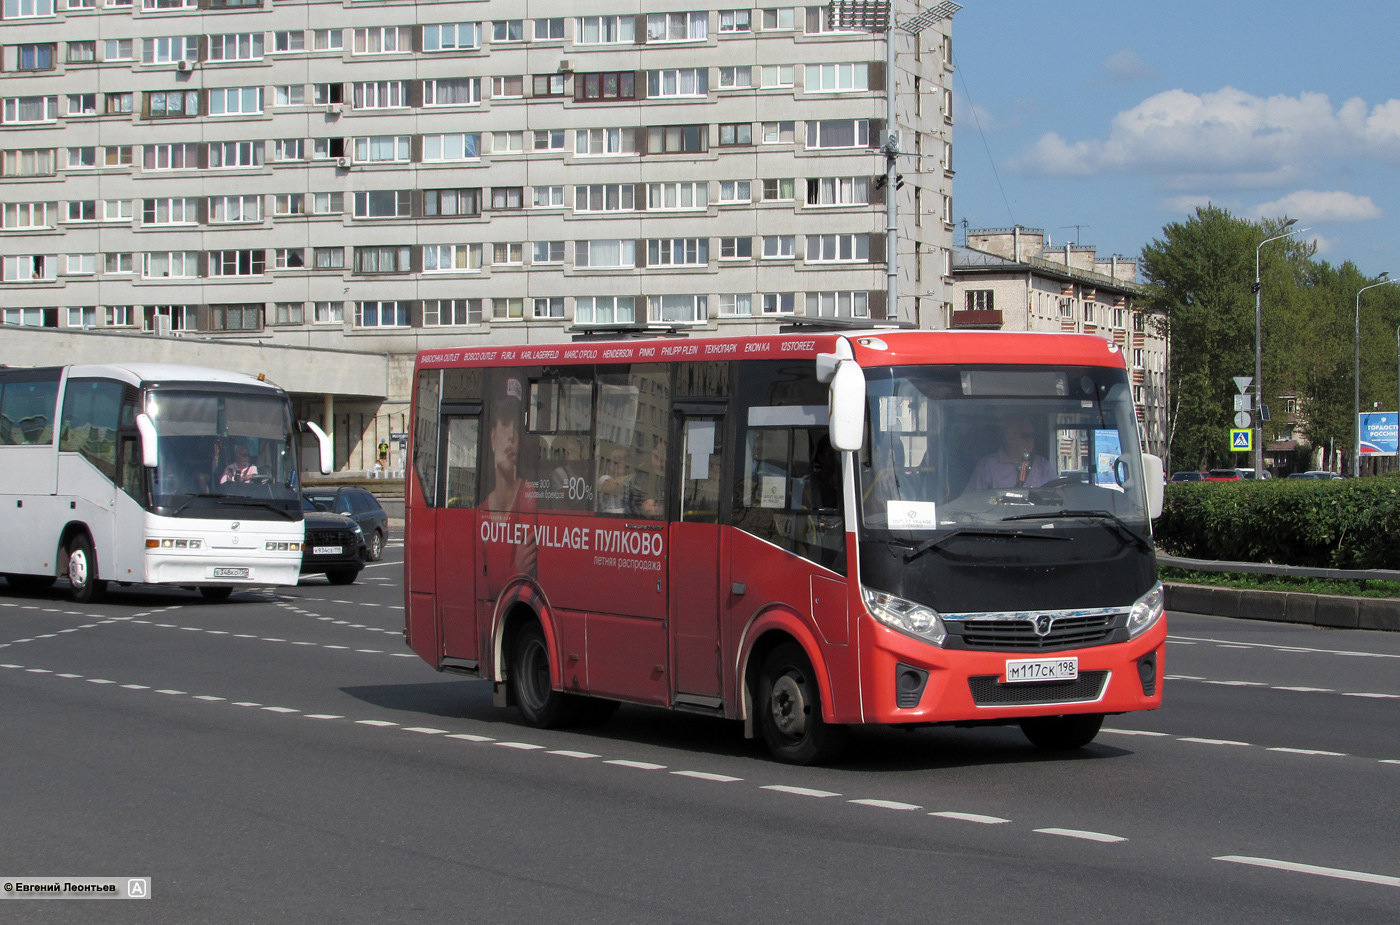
[1110, 520]
[938, 541]
[254, 502]
[186, 503]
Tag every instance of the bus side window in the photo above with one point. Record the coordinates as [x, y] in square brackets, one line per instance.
[634, 412]
[463, 448]
[133, 471]
[790, 493]
[559, 422]
[27, 411]
[425, 434]
[91, 416]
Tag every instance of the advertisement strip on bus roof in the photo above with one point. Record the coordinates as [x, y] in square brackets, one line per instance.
[873, 348]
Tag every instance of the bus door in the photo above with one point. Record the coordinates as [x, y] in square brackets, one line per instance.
[456, 530]
[693, 550]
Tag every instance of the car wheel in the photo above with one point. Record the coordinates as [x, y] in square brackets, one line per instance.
[84, 585]
[342, 576]
[376, 546]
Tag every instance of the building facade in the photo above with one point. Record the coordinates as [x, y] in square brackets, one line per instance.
[1014, 279]
[381, 176]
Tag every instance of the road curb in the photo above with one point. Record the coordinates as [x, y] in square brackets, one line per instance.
[1328, 610]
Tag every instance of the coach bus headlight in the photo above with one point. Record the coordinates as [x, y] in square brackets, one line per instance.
[1146, 610]
[905, 616]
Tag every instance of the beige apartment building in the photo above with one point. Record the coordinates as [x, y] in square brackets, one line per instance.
[314, 183]
[1014, 279]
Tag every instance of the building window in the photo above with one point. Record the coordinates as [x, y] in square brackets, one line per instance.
[382, 149]
[507, 197]
[777, 133]
[676, 197]
[327, 203]
[451, 202]
[30, 317]
[170, 49]
[328, 39]
[29, 214]
[549, 140]
[117, 50]
[740, 248]
[236, 101]
[172, 104]
[236, 317]
[329, 313]
[118, 103]
[838, 305]
[451, 258]
[327, 94]
[330, 258]
[381, 314]
[734, 20]
[682, 309]
[839, 133]
[736, 304]
[837, 78]
[779, 246]
[392, 258]
[383, 40]
[678, 252]
[605, 309]
[978, 300]
[605, 30]
[289, 149]
[290, 95]
[176, 211]
[25, 9]
[117, 264]
[548, 252]
[549, 85]
[36, 57]
[170, 265]
[287, 312]
[678, 27]
[678, 139]
[777, 77]
[782, 18]
[830, 248]
[381, 94]
[507, 308]
[224, 209]
[688, 81]
[780, 190]
[29, 268]
[119, 316]
[547, 29]
[459, 91]
[506, 254]
[601, 142]
[607, 85]
[170, 157]
[509, 87]
[382, 204]
[284, 42]
[84, 210]
[740, 133]
[81, 264]
[82, 158]
[507, 142]
[116, 210]
[82, 52]
[231, 154]
[237, 263]
[613, 254]
[241, 46]
[455, 147]
[604, 197]
[117, 156]
[552, 307]
[549, 197]
[838, 191]
[508, 30]
[779, 303]
[169, 4]
[82, 104]
[22, 109]
[289, 258]
[444, 312]
[734, 190]
[459, 36]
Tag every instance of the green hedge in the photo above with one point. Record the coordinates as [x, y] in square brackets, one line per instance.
[1352, 524]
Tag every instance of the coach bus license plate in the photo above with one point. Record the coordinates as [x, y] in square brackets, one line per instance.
[1042, 669]
[327, 550]
[230, 573]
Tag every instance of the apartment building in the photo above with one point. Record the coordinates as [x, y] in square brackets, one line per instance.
[1015, 279]
[382, 176]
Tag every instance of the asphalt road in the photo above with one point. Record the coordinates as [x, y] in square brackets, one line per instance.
[284, 758]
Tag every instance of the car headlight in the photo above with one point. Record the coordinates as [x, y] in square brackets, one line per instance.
[905, 616]
[1146, 610]
[356, 528]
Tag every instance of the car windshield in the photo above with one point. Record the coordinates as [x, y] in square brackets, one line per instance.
[222, 450]
[954, 448]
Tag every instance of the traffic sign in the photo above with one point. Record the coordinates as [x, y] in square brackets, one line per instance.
[1241, 441]
[1242, 419]
[1243, 402]
[1242, 382]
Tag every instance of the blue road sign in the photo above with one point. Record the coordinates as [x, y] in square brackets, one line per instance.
[1378, 433]
[1241, 441]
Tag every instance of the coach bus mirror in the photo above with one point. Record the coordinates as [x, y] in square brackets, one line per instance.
[150, 451]
[327, 453]
[847, 407]
[1153, 474]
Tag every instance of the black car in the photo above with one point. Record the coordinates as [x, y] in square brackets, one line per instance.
[360, 506]
[335, 545]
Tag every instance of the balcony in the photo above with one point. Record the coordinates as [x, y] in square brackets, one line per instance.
[986, 319]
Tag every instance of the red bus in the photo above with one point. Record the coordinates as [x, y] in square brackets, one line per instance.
[800, 531]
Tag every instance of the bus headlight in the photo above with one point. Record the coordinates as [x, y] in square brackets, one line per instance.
[905, 616]
[154, 543]
[1146, 610]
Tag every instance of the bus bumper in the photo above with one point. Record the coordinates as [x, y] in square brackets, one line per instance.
[257, 569]
[905, 680]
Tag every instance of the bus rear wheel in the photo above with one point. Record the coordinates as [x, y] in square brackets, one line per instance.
[84, 585]
[216, 593]
[539, 703]
[790, 711]
[1062, 733]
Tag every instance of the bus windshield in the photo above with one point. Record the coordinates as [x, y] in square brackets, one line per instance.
[224, 451]
[1010, 467]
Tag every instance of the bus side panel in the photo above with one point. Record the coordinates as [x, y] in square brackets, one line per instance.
[603, 564]
[456, 581]
[420, 615]
[773, 576]
[627, 658]
[28, 509]
[87, 496]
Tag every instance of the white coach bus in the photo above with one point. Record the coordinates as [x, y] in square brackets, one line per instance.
[163, 474]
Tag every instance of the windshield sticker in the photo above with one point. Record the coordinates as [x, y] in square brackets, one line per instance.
[911, 515]
[772, 491]
[1108, 446]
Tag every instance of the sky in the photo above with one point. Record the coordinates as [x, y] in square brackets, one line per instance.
[1123, 117]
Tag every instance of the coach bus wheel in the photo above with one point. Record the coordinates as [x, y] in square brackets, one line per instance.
[85, 586]
[216, 593]
[790, 712]
[539, 703]
[1061, 733]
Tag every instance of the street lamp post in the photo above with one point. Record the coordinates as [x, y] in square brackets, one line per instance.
[1259, 352]
[1356, 384]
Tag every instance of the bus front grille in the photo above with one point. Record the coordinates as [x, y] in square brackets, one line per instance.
[988, 691]
[1065, 633]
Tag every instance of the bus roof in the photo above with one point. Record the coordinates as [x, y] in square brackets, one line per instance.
[140, 373]
[872, 348]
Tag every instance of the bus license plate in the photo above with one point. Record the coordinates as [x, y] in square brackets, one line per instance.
[230, 573]
[1042, 669]
[327, 550]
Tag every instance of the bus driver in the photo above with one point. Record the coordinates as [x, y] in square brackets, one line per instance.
[1015, 465]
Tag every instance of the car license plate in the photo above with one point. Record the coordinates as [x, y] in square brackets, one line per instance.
[327, 550]
[230, 573]
[1041, 669]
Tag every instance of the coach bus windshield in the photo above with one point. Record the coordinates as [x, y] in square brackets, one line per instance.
[977, 482]
[224, 455]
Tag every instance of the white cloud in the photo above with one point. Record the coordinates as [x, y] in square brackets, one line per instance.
[1127, 67]
[1189, 203]
[1323, 245]
[1227, 137]
[1314, 206]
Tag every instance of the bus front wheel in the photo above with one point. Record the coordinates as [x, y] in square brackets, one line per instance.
[84, 585]
[1062, 733]
[539, 703]
[790, 711]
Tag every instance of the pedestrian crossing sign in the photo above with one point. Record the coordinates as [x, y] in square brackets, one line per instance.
[1241, 441]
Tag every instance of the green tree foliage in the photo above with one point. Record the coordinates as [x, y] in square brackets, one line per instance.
[1200, 275]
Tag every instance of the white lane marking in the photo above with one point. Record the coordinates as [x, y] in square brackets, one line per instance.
[468, 737]
[705, 775]
[69, 676]
[1199, 741]
[324, 716]
[69, 630]
[1309, 751]
[1132, 732]
[375, 651]
[1232, 645]
[639, 765]
[270, 639]
[1183, 677]
[523, 746]
[11, 666]
[1266, 645]
[246, 703]
[303, 643]
[137, 687]
[95, 680]
[799, 791]
[972, 817]
[1308, 690]
[169, 692]
[404, 654]
[1081, 834]
[1337, 872]
[208, 697]
[24, 640]
[168, 626]
[1374, 696]
[1390, 761]
[335, 647]
[375, 722]
[1238, 683]
[192, 629]
[45, 636]
[425, 730]
[39, 670]
[280, 710]
[217, 632]
[885, 804]
[244, 636]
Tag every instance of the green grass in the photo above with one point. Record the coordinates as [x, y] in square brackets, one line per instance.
[1272, 583]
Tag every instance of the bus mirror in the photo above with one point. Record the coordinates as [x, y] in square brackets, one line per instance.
[327, 453]
[1153, 474]
[150, 451]
[847, 407]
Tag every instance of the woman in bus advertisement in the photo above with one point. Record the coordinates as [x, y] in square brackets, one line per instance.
[510, 498]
